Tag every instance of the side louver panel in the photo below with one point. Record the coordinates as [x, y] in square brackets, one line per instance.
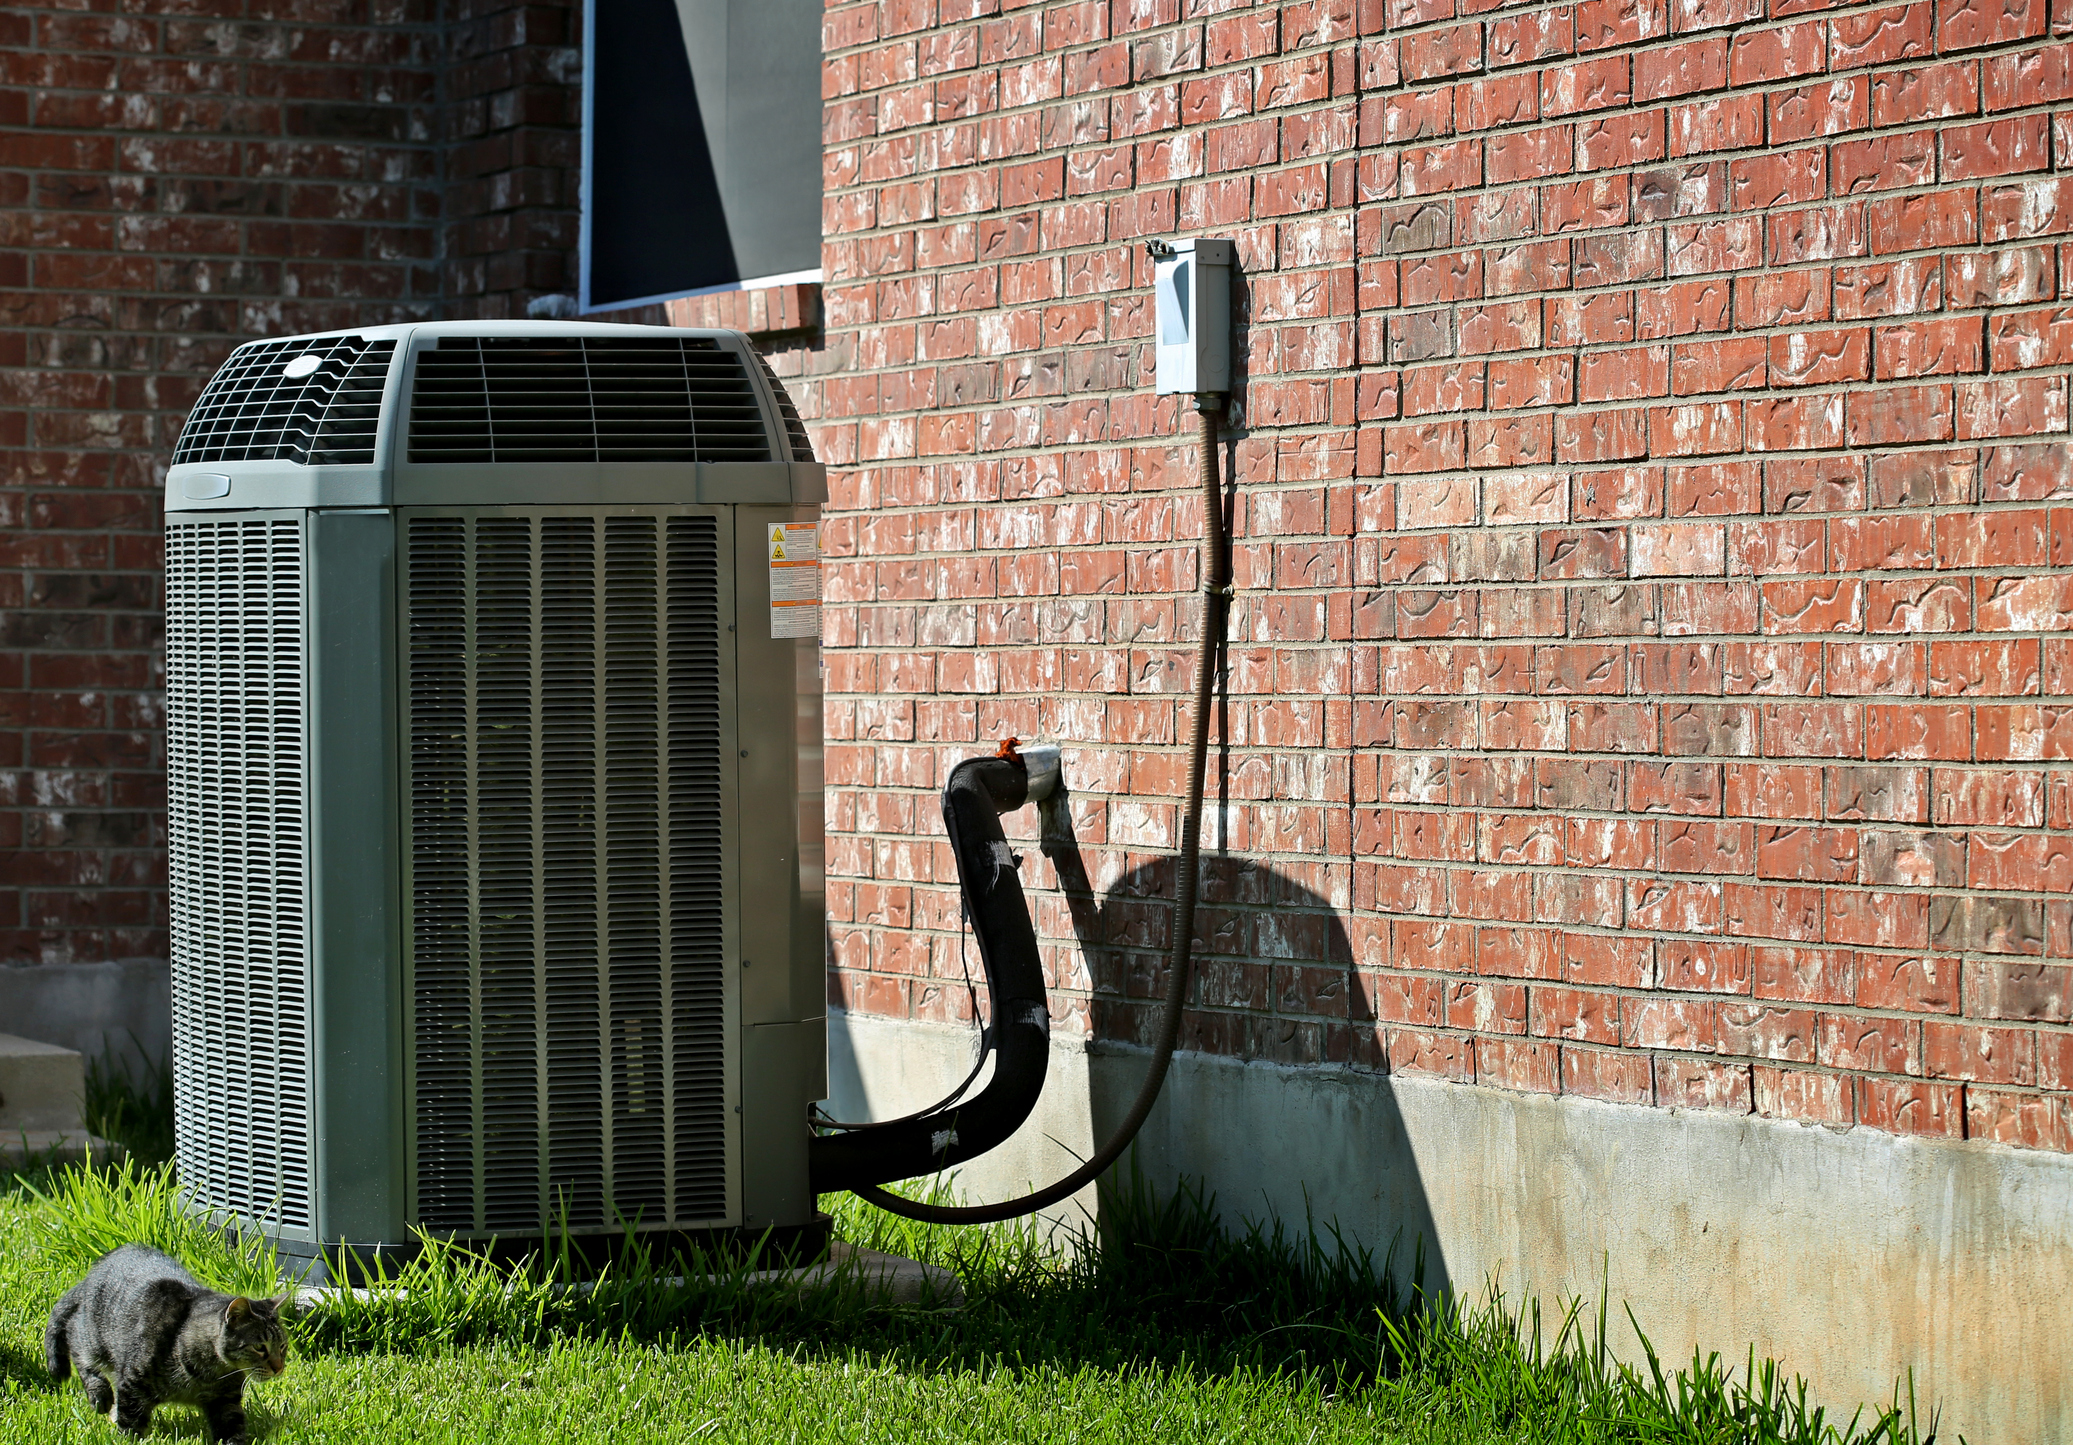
[565, 811]
[796, 435]
[584, 399]
[314, 402]
[237, 782]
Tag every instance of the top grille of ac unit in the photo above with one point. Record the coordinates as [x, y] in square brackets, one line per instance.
[253, 410]
[585, 399]
[498, 395]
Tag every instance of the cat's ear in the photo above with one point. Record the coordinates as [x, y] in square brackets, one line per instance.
[238, 1310]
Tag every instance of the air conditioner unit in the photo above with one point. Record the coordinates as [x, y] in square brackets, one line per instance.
[494, 766]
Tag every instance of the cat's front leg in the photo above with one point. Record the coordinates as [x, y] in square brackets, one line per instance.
[226, 1415]
[132, 1409]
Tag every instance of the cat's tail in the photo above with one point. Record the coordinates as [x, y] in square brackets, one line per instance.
[57, 1353]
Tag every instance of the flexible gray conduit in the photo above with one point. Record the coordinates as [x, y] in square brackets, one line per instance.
[1216, 597]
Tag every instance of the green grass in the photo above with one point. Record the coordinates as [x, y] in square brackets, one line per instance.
[1166, 1329]
[130, 1106]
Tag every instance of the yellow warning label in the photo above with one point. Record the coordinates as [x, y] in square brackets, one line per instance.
[795, 580]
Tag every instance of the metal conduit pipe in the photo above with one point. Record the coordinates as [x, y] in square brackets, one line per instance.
[865, 1157]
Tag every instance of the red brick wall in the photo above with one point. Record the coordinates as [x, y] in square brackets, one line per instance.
[513, 90]
[176, 179]
[1651, 666]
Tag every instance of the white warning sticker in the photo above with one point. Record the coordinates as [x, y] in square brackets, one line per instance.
[795, 579]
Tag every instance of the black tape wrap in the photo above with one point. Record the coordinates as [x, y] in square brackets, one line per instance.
[979, 791]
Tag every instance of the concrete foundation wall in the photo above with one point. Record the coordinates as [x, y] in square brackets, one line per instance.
[91, 1007]
[1851, 1256]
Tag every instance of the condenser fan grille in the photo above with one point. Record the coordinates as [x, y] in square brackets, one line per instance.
[584, 399]
[566, 957]
[236, 804]
[309, 401]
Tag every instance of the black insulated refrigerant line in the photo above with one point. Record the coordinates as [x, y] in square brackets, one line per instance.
[863, 1157]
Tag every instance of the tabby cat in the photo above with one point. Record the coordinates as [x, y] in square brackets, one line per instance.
[142, 1333]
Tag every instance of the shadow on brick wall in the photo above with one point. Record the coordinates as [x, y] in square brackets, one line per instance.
[1279, 1098]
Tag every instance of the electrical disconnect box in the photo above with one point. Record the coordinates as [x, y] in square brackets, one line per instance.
[1193, 285]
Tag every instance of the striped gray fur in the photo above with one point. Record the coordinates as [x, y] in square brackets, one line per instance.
[142, 1332]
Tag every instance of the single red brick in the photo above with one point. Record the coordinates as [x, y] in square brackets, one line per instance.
[2035, 208]
[1883, 163]
[1901, 414]
[1834, 107]
[1523, 39]
[1703, 1084]
[1682, 309]
[1996, 148]
[1703, 246]
[1820, 358]
[2031, 77]
[1454, 50]
[2028, 1121]
[1518, 1064]
[1918, 984]
[1497, 100]
[1761, 57]
[1923, 222]
[2015, 407]
[1780, 179]
[1731, 122]
[1681, 69]
[1629, 139]
[1961, 25]
[1930, 348]
[1417, 116]
[1604, 1074]
[1979, 1054]
[1513, 156]
[1795, 423]
[1891, 288]
[1880, 37]
[1875, 1045]
[1586, 86]
[1687, 15]
[2035, 992]
[2006, 276]
[1610, 24]
[1781, 1035]
[1686, 1024]
[1413, 1051]
[1899, 1107]
[1803, 1095]
[1933, 92]
[1782, 298]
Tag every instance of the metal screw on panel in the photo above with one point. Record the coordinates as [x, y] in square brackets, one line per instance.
[744, 752]
[744, 963]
